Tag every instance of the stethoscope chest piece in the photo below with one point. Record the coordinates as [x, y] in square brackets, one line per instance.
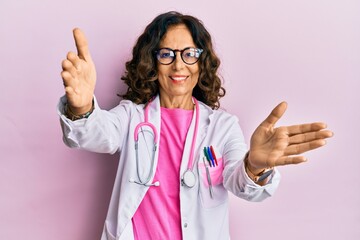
[188, 179]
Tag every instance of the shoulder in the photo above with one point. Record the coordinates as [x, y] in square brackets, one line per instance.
[218, 119]
[219, 114]
[128, 106]
[128, 103]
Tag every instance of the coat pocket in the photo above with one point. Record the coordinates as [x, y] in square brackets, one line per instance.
[212, 191]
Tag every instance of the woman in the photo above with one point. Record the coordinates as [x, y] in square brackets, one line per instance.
[179, 154]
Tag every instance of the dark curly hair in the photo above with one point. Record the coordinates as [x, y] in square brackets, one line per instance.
[141, 71]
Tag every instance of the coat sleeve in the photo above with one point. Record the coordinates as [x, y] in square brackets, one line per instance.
[103, 131]
[235, 178]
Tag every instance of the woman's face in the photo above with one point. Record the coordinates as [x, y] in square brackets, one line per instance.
[177, 79]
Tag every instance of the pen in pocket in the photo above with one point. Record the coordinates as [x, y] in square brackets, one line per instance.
[213, 154]
[207, 156]
[208, 178]
[210, 157]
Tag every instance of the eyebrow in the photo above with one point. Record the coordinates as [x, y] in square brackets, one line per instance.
[178, 48]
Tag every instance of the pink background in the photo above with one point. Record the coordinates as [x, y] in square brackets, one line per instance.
[304, 52]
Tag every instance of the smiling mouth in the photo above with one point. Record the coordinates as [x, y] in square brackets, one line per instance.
[178, 78]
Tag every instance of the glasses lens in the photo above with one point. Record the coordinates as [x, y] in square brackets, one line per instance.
[191, 55]
[165, 56]
[188, 55]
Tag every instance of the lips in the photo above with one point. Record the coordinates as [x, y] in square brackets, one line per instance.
[178, 78]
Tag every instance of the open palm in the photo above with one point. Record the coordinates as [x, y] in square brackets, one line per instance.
[270, 146]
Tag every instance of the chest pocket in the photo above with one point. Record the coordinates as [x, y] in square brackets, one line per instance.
[212, 191]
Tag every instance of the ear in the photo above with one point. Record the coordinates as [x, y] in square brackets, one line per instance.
[154, 76]
[153, 73]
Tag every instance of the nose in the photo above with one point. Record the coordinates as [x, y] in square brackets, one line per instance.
[178, 62]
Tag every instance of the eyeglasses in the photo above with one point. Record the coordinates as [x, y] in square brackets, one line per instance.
[189, 55]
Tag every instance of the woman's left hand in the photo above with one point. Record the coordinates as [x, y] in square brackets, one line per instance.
[270, 146]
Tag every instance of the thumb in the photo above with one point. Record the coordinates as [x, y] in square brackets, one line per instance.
[81, 44]
[275, 115]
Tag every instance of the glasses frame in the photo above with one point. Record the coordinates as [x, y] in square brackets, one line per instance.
[199, 50]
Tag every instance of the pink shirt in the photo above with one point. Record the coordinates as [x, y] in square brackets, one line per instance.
[158, 216]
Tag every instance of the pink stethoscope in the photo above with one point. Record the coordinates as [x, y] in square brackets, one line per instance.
[188, 178]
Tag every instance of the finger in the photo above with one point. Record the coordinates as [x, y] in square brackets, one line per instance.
[67, 78]
[68, 67]
[70, 95]
[307, 137]
[81, 44]
[275, 115]
[303, 147]
[69, 91]
[74, 59]
[304, 128]
[287, 160]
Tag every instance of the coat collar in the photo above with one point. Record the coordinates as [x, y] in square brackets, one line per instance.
[206, 115]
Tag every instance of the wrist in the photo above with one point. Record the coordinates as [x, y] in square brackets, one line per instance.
[78, 113]
[257, 175]
[250, 166]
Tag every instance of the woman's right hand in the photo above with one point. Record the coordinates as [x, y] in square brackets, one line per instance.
[79, 76]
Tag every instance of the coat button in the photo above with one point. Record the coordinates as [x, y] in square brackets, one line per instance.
[185, 225]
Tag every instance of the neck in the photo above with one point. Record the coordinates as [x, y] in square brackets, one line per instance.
[183, 102]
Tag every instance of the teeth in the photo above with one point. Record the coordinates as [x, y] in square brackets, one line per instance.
[178, 78]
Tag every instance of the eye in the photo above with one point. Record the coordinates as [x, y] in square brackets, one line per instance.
[164, 53]
[190, 53]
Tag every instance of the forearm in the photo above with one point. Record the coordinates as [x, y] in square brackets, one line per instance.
[100, 132]
[241, 185]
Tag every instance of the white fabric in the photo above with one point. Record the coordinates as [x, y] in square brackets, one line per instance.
[112, 131]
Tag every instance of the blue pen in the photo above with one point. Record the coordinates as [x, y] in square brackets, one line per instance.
[210, 156]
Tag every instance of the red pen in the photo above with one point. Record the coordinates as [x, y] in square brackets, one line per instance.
[213, 153]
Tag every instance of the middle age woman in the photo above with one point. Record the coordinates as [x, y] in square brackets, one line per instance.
[179, 154]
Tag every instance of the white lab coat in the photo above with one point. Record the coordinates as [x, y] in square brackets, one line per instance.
[202, 217]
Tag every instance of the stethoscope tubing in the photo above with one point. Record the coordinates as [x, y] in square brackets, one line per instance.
[191, 158]
[188, 174]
